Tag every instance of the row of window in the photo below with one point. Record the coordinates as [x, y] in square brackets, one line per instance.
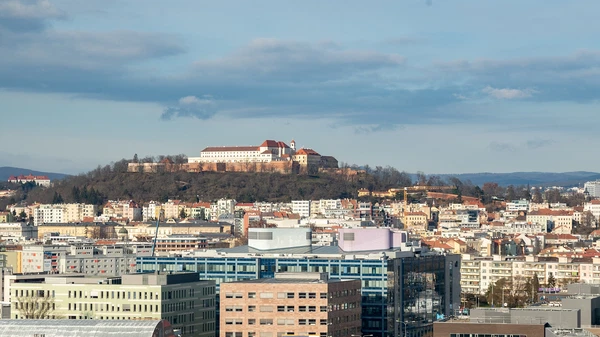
[113, 308]
[291, 308]
[300, 295]
[337, 333]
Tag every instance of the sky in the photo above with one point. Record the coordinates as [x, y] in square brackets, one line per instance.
[436, 86]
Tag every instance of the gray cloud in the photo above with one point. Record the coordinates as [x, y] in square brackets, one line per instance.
[271, 77]
[496, 146]
[365, 129]
[192, 106]
[28, 15]
[538, 143]
[289, 61]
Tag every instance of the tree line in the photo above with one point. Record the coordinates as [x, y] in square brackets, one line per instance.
[114, 182]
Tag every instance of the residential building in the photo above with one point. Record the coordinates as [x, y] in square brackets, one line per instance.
[184, 300]
[592, 188]
[150, 211]
[225, 206]
[301, 207]
[558, 221]
[291, 304]
[415, 221]
[517, 206]
[18, 231]
[401, 281]
[48, 214]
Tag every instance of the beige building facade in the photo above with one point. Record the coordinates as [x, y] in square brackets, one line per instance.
[290, 304]
[181, 298]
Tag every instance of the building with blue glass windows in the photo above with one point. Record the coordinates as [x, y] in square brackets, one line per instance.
[404, 287]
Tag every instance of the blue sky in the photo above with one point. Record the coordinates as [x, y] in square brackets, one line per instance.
[435, 86]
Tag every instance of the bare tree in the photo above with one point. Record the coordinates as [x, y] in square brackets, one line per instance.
[39, 306]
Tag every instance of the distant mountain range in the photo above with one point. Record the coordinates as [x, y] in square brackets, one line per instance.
[6, 172]
[565, 179]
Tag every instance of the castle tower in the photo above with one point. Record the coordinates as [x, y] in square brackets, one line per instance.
[293, 145]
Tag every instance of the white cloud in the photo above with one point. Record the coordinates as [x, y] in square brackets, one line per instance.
[507, 93]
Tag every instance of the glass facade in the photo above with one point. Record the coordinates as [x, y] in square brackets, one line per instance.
[384, 306]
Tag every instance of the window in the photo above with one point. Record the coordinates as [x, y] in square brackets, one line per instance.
[312, 295]
[323, 322]
[281, 308]
[290, 295]
[312, 308]
[302, 308]
[301, 295]
[251, 321]
[266, 308]
[348, 236]
[323, 308]
[302, 322]
[323, 295]
[266, 295]
[266, 321]
[251, 295]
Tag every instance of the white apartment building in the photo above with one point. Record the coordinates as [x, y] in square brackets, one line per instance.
[48, 214]
[63, 213]
[150, 211]
[301, 207]
[329, 204]
[477, 273]
[593, 207]
[593, 188]
[225, 206]
[517, 205]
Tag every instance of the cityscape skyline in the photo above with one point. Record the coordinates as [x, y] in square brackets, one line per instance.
[422, 82]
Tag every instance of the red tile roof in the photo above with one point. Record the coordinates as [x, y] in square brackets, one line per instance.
[551, 212]
[308, 152]
[269, 143]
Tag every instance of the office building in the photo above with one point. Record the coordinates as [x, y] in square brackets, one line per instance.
[291, 304]
[184, 300]
[62, 328]
[400, 280]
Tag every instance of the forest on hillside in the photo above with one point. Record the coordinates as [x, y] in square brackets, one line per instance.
[113, 182]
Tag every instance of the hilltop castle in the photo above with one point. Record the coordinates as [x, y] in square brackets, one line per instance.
[270, 156]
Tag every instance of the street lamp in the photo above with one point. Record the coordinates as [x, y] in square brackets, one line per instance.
[405, 326]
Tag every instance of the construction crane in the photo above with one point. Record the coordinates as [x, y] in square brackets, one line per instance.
[161, 214]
